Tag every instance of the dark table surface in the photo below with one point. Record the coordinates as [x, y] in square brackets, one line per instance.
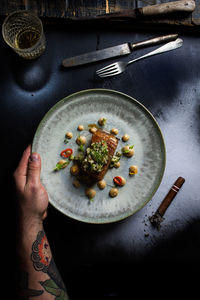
[118, 259]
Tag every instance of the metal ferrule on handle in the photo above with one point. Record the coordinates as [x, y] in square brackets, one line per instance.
[154, 41]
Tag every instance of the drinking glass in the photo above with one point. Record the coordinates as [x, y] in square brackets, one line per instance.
[23, 32]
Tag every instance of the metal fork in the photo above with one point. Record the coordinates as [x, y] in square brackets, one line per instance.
[119, 67]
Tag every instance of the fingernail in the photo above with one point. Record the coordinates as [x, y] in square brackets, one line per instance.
[34, 157]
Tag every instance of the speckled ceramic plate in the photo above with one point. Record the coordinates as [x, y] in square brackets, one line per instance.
[122, 112]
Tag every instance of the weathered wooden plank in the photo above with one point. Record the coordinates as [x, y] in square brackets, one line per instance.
[80, 8]
[196, 14]
[87, 8]
[10, 6]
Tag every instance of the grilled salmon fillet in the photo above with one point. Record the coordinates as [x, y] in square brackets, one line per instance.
[112, 143]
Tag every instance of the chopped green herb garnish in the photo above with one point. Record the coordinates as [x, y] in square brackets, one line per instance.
[81, 148]
[96, 157]
[71, 157]
[79, 157]
[60, 166]
[66, 141]
[103, 121]
[115, 159]
[124, 151]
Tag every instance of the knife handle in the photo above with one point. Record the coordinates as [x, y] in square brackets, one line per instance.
[154, 41]
[169, 7]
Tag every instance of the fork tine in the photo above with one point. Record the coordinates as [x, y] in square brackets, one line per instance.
[105, 68]
[110, 73]
[113, 69]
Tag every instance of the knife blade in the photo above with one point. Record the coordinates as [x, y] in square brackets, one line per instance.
[115, 51]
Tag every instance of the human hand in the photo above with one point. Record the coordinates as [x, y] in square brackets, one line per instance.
[32, 197]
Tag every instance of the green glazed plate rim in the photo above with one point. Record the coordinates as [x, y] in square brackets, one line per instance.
[60, 103]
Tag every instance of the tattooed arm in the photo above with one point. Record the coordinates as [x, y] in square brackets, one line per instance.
[38, 276]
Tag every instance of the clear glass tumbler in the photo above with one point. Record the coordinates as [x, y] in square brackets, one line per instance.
[23, 32]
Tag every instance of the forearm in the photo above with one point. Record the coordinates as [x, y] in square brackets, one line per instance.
[38, 275]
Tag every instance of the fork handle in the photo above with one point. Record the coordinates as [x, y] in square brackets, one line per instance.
[167, 47]
[154, 41]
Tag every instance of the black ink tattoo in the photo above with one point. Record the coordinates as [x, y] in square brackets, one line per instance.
[23, 291]
[41, 254]
[43, 261]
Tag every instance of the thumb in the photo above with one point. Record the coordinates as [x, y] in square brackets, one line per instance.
[34, 167]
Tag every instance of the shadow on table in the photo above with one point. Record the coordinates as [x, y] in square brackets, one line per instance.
[171, 266]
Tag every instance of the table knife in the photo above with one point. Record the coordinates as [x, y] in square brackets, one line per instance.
[115, 51]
